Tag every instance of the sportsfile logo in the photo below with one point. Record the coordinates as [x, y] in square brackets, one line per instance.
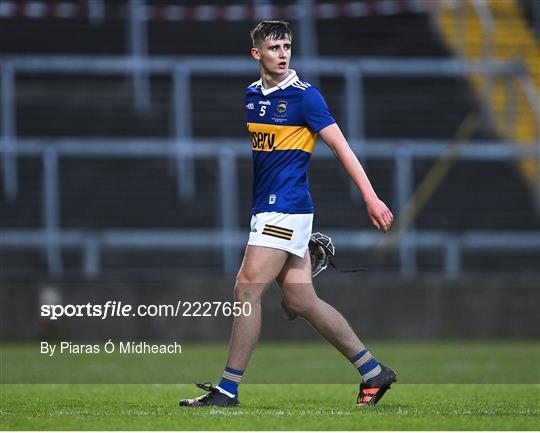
[121, 309]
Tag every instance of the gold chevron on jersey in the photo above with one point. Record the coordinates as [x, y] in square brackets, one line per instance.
[267, 138]
[277, 232]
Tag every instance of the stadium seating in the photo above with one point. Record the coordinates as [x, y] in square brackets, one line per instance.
[127, 193]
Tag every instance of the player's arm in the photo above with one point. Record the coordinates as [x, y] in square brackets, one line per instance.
[380, 215]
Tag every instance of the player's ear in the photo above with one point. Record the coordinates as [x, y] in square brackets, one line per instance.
[255, 53]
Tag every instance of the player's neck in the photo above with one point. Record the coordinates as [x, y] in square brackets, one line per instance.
[272, 80]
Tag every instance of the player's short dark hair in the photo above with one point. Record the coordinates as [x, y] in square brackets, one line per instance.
[270, 30]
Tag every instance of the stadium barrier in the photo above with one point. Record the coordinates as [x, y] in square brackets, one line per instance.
[182, 69]
[183, 149]
[100, 10]
[228, 238]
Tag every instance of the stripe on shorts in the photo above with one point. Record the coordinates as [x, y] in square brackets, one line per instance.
[278, 232]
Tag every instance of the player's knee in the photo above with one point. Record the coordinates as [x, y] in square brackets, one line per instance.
[247, 293]
[302, 305]
[246, 276]
[241, 293]
[246, 289]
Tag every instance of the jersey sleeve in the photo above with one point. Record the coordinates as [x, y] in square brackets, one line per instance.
[315, 111]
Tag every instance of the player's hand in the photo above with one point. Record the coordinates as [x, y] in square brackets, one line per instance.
[380, 215]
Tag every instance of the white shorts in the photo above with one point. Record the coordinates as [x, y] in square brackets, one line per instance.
[284, 231]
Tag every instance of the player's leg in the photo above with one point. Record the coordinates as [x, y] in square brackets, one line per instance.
[261, 266]
[299, 294]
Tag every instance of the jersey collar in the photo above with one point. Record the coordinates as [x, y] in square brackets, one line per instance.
[291, 78]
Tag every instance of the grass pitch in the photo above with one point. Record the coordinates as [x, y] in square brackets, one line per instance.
[502, 398]
[416, 362]
[270, 407]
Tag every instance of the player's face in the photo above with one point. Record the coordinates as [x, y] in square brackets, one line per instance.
[274, 55]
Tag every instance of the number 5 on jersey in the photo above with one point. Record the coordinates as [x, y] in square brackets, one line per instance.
[263, 110]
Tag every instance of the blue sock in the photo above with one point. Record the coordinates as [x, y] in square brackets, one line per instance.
[230, 380]
[367, 366]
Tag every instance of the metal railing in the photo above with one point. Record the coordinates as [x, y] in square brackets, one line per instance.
[184, 149]
[228, 237]
[182, 69]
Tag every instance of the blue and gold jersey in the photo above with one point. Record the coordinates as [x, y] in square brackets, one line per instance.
[283, 123]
